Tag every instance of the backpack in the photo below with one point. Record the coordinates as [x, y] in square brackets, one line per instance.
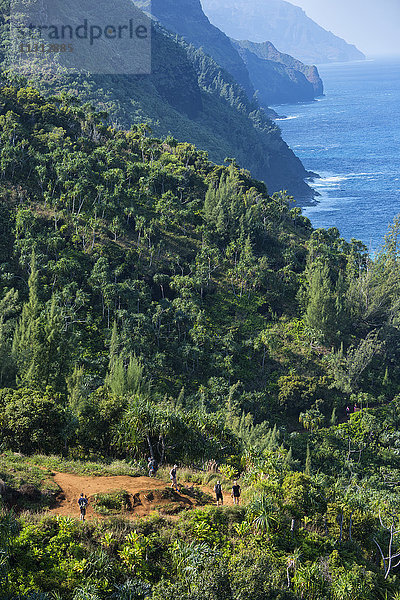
[218, 488]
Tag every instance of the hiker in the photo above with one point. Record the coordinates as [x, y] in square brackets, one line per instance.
[218, 493]
[347, 411]
[172, 476]
[82, 503]
[235, 492]
[152, 466]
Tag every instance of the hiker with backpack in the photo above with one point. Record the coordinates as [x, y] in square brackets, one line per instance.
[82, 503]
[218, 493]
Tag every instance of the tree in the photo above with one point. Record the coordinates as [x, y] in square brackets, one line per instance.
[27, 346]
[56, 347]
[308, 582]
[145, 424]
[307, 469]
[312, 418]
[125, 375]
[8, 308]
[34, 421]
[320, 313]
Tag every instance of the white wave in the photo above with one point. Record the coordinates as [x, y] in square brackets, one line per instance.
[287, 118]
[328, 180]
[375, 174]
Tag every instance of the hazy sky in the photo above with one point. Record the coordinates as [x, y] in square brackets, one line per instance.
[373, 25]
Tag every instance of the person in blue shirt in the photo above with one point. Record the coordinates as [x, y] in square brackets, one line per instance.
[82, 503]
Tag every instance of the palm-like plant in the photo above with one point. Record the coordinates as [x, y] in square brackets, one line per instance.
[86, 592]
[292, 562]
[350, 585]
[132, 589]
[263, 514]
[189, 558]
[8, 529]
[308, 582]
[99, 563]
[312, 418]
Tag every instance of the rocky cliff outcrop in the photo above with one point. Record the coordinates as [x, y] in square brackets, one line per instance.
[267, 51]
[276, 81]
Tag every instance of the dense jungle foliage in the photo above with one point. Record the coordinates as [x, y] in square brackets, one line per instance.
[152, 302]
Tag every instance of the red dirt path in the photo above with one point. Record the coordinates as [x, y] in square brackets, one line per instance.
[140, 489]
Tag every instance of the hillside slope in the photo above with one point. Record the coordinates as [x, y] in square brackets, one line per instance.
[192, 98]
[187, 18]
[276, 78]
[155, 304]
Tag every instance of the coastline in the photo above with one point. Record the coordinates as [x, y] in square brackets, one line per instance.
[350, 138]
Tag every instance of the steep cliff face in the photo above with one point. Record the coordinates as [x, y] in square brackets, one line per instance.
[248, 135]
[277, 78]
[267, 51]
[285, 25]
[186, 17]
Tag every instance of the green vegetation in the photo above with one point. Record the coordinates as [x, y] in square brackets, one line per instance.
[152, 303]
[24, 485]
[189, 96]
[111, 502]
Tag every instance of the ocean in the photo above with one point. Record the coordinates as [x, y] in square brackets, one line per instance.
[351, 138]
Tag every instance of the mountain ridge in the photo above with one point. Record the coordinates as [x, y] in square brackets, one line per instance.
[285, 25]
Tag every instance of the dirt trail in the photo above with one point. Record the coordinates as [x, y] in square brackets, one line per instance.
[146, 494]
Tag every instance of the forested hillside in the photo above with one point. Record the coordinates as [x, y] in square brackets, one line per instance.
[187, 19]
[191, 97]
[152, 302]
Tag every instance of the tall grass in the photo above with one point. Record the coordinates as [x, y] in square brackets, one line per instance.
[92, 468]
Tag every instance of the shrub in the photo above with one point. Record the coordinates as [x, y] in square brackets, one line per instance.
[111, 502]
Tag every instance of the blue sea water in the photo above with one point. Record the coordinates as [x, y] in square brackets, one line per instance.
[351, 138]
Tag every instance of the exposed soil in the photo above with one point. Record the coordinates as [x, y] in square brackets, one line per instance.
[146, 495]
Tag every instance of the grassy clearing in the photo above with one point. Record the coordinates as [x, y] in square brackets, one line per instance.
[91, 468]
[29, 483]
[16, 470]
